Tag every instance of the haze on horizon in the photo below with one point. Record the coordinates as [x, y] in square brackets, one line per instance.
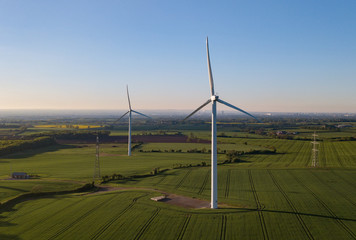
[273, 56]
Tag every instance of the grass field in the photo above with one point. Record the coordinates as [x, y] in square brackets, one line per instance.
[266, 196]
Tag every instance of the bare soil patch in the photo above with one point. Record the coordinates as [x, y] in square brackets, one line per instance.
[186, 202]
[172, 199]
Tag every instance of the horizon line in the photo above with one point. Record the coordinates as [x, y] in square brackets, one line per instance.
[163, 110]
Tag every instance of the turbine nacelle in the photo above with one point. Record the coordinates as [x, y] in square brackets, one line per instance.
[214, 98]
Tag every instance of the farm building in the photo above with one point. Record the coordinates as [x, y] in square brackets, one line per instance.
[281, 133]
[20, 175]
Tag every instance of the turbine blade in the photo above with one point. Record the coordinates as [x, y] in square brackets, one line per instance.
[209, 68]
[128, 96]
[121, 117]
[236, 108]
[141, 114]
[206, 103]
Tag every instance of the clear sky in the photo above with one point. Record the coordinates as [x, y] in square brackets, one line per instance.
[284, 56]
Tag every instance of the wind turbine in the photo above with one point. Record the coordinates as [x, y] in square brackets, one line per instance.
[130, 111]
[213, 99]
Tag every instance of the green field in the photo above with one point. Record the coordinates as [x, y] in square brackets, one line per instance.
[297, 201]
[11, 188]
[263, 196]
[76, 162]
[185, 147]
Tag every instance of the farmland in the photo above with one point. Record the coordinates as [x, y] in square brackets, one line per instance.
[258, 201]
[262, 195]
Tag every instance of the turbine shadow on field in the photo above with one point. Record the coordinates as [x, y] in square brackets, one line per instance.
[9, 206]
[304, 214]
[34, 152]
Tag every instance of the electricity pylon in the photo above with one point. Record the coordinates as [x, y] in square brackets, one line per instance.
[314, 151]
[97, 161]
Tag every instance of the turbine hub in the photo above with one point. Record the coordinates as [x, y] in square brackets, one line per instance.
[214, 98]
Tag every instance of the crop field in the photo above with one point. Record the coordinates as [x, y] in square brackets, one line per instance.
[221, 133]
[261, 196]
[30, 131]
[256, 201]
[140, 132]
[77, 162]
[5, 143]
[43, 128]
[68, 126]
[330, 134]
[11, 188]
[185, 147]
[7, 131]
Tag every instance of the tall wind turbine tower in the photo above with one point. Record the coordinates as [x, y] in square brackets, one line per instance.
[130, 111]
[213, 100]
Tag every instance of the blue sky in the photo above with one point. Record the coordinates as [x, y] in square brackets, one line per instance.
[270, 56]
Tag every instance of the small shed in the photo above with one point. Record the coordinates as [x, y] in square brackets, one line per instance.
[160, 198]
[20, 175]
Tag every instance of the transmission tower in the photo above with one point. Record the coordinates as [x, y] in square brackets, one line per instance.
[314, 151]
[97, 162]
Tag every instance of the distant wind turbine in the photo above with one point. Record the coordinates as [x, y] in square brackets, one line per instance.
[213, 99]
[130, 111]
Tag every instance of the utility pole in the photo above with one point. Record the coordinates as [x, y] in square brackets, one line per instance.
[97, 162]
[314, 151]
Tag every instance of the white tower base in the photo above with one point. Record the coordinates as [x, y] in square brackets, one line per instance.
[214, 165]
